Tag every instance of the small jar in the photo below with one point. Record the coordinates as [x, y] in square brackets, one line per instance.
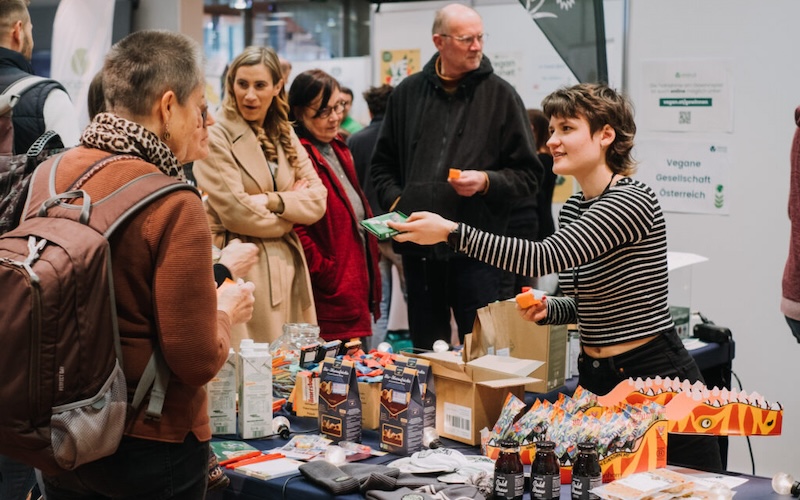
[586, 472]
[509, 476]
[545, 472]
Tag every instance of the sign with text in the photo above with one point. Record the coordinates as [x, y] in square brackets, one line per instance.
[686, 96]
[688, 176]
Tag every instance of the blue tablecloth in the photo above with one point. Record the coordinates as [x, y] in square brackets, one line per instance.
[295, 487]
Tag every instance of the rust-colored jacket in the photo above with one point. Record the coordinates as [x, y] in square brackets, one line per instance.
[165, 292]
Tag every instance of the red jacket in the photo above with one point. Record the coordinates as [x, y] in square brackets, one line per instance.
[344, 270]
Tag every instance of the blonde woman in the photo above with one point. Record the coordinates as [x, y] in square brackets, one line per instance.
[260, 182]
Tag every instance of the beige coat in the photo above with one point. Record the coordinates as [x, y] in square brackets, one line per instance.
[235, 169]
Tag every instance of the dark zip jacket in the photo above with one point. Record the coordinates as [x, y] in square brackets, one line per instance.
[426, 131]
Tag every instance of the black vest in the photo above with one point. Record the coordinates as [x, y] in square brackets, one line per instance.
[28, 117]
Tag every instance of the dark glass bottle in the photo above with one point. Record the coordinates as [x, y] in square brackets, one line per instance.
[545, 472]
[509, 477]
[586, 473]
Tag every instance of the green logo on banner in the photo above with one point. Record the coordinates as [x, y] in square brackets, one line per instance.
[719, 198]
[80, 61]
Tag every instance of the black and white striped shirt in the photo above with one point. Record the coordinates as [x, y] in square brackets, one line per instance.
[611, 256]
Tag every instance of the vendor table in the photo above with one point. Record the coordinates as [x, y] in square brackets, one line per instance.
[714, 360]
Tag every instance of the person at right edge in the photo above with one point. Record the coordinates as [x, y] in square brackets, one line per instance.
[790, 301]
[454, 114]
[610, 251]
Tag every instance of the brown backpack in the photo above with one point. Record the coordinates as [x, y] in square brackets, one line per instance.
[64, 396]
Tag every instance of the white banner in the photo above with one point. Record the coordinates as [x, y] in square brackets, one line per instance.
[81, 39]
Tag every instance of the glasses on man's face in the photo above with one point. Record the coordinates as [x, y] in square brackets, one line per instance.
[325, 112]
[469, 39]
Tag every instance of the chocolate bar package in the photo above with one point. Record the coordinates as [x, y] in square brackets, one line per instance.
[401, 417]
[339, 402]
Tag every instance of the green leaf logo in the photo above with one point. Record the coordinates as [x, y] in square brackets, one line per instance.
[80, 62]
[719, 198]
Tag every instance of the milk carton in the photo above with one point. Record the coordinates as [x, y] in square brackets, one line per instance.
[222, 397]
[255, 391]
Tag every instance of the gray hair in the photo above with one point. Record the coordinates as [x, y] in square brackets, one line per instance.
[144, 65]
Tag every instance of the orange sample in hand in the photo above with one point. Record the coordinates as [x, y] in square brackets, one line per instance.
[454, 173]
[526, 299]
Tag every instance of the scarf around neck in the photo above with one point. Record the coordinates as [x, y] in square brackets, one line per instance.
[115, 134]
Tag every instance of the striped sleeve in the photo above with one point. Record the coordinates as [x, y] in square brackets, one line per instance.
[611, 255]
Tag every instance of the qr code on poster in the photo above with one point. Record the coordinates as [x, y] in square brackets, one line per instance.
[685, 117]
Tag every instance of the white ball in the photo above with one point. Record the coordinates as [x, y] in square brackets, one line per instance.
[441, 346]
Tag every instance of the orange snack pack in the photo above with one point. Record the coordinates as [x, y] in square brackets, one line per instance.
[454, 173]
[526, 299]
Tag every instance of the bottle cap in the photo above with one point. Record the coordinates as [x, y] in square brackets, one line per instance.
[587, 446]
[545, 446]
[508, 443]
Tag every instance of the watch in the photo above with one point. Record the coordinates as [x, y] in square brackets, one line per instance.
[454, 238]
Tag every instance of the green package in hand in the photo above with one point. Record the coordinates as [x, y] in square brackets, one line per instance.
[377, 225]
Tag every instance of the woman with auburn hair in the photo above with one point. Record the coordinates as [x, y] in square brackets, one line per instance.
[342, 259]
[260, 182]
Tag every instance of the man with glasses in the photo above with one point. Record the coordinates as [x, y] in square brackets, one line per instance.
[454, 114]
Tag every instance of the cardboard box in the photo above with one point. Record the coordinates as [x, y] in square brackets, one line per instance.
[500, 330]
[649, 453]
[401, 411]
[339, 403]
[470, 395]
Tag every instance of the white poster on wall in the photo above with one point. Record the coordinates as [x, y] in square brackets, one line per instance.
[686, 96]
[83, 30]
[350, 72]
[688, 176]
[506, 65]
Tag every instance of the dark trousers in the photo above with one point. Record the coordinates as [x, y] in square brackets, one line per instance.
[140, 469]
[794, 326]
[435, 286]
[16, 479]
[663, 356]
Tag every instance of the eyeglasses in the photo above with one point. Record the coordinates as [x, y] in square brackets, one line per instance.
[325, 112]
[467, 40]
[204, 117]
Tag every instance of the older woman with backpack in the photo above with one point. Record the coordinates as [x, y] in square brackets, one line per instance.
[161, 259]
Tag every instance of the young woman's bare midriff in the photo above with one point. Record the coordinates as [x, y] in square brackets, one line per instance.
[616, 349]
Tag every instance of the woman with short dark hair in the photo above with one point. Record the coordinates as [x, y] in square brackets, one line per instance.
[342, 259]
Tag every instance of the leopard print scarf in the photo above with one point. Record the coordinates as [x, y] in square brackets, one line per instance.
[115, 134]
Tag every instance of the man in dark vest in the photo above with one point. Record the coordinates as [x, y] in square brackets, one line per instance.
[46, 106]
